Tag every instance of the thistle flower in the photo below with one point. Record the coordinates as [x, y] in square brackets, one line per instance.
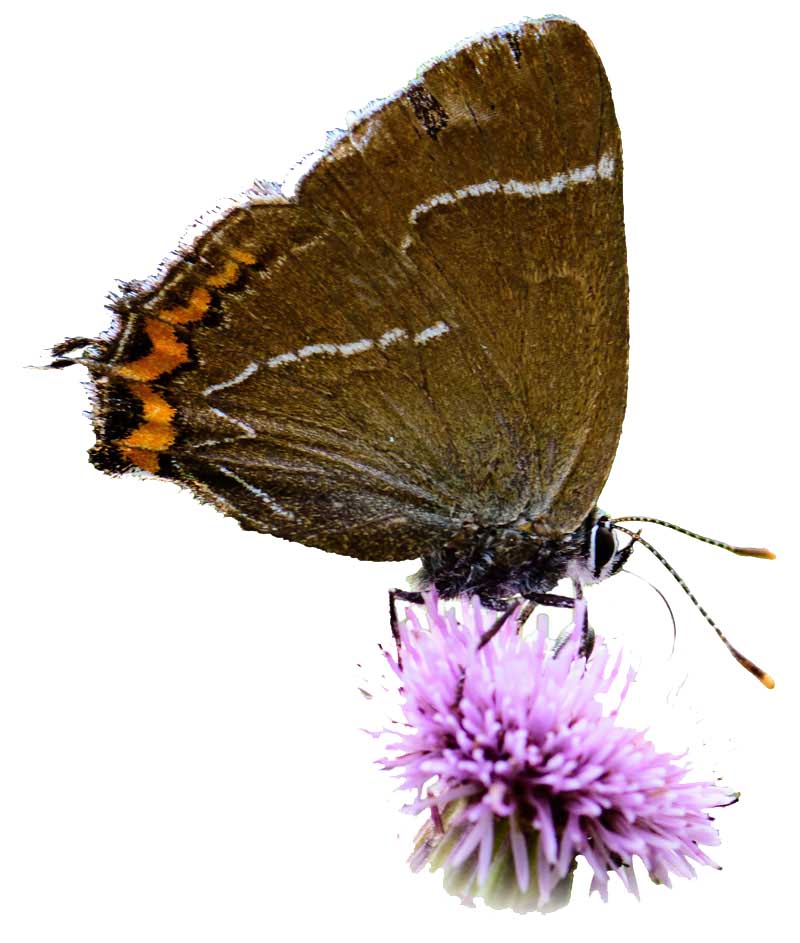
[521, 767]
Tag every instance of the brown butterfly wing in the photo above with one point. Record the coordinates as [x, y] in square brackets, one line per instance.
[432, 331]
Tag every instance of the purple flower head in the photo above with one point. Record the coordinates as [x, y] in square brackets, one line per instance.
[522, 767]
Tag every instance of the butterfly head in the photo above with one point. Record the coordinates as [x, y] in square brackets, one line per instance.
[602, 556]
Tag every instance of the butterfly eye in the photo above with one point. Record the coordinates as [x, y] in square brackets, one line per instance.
[604, 548]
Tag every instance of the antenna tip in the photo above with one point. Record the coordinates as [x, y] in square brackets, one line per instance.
[752, 667]
[761, 552]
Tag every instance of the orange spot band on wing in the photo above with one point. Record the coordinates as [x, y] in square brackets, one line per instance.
[227, 276]
[155, 408]
[199, 302]
[167, 354]
[147, 461]
[246, 258]
[156, 433]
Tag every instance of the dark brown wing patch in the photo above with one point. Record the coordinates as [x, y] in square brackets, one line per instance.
[431, 333]
[428, 109]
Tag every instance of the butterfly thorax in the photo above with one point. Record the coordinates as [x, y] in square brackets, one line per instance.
[496, 562]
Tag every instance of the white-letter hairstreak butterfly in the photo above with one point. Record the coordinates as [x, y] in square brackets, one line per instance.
[423, 351]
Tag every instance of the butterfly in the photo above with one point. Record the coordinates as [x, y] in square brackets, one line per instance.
[421, 352]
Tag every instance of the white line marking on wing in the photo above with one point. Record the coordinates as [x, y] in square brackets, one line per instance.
[248, 371]
[244, 426]
[391, 337]
[271, 503]
[555, 184]
[435, 330]
[356, 347]
[394, 336]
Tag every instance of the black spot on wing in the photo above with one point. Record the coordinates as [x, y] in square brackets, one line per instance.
[122, 411]
[514, 45]
[428, 109]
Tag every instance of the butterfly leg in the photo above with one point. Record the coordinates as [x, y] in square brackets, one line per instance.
[405, 596]
[525, 612]
[532, 600]
[550, 599]
[563, 602]
[498, 624]
[587, 632]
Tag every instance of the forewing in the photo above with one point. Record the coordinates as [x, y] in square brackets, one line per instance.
[433, 331]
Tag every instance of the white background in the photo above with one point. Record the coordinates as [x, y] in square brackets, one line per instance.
[179, 722]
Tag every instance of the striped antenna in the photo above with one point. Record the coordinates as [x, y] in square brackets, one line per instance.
[743, 660]
[761, 552]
